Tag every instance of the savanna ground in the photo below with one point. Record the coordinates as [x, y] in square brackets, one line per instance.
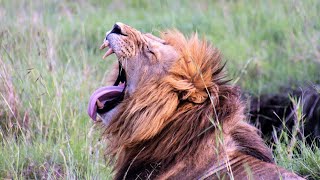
[50, 63]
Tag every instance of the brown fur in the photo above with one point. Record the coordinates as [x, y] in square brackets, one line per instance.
[187, 123]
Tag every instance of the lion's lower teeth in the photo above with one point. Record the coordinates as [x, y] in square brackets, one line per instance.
[110, 51]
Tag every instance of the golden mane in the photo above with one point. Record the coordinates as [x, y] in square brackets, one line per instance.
[171, 120]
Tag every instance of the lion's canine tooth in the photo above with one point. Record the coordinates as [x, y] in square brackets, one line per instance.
[104, 45]
[99, 104]
[110, 51]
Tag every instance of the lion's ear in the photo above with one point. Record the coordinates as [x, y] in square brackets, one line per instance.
[189, 90]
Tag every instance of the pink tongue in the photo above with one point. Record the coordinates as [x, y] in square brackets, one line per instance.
[103, 94]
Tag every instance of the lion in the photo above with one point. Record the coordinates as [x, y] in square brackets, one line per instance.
[172, 114]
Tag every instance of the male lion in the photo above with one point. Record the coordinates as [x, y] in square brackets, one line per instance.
[171, 114]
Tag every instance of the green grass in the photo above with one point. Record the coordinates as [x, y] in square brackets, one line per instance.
[295, 154]
[50, 63]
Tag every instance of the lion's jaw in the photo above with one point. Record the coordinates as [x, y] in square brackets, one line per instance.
[143, 57]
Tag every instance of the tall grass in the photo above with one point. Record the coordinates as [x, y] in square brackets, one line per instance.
[293, 153]
[50, 63]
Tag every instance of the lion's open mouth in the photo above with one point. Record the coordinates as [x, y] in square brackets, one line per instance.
[106, 98]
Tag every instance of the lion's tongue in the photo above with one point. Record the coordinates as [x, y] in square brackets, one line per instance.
[103, 94]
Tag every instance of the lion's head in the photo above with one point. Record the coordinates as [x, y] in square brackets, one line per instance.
[167, 100]
[183, 70]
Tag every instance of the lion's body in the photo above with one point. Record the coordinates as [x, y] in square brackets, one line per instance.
[185, 121]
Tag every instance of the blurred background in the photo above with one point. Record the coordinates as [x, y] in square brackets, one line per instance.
[50, 63]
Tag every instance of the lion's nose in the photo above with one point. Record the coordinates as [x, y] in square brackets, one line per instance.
[116, 29]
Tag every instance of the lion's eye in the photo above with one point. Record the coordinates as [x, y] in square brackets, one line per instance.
[150, 51]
